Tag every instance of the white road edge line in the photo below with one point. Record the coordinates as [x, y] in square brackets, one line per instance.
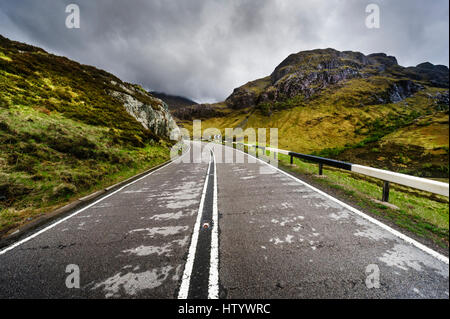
[186, 280]
[213, 286]
[367, 217]
[83, 209]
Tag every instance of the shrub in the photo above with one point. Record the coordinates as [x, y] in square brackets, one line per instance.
[11, 190]
[330, 152]
[26, 164]
[63, 94]
[79, 147]
[4, 127]
[4, 102]
[63, 190]
[265, 108]
[132, 139]
[44, 110]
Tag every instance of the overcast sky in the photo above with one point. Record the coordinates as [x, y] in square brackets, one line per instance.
[202, 49]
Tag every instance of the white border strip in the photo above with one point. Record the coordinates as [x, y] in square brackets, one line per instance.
[424, 184]
[213, 286]
[81, 210]
[186, 280]
[371, 219]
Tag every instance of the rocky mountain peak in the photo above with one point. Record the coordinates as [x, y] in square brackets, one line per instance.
[306, 73]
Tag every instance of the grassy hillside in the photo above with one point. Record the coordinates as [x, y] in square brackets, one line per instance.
[366, 110]
[407, 136]
[62, 135]
[362, 109]
[419, 148]
[32, 77]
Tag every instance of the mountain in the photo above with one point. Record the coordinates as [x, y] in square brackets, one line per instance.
[307, 74]
[67, 129]
[174, 102]
[363, 108]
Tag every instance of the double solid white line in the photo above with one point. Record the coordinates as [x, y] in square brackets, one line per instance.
[213, 284]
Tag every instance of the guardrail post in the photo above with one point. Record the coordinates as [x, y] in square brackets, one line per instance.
[385, 197]
[274, 155]
[320, 168]
[292, 160]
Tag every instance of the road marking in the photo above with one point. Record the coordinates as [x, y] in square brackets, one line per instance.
[185, 283]
[201, 273]
[363, 215]
[213, 287]
[81, 210]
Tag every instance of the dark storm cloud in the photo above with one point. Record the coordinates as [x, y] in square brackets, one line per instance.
[203, 49]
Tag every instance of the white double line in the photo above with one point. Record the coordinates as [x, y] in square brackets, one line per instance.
[213, 284]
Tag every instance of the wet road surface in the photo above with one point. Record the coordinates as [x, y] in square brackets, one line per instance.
[274, 237]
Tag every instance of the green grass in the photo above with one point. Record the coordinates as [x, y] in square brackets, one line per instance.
[331, 125]
[48, 160]
[5, 57]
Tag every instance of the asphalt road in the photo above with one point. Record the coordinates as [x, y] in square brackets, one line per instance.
[201, 227]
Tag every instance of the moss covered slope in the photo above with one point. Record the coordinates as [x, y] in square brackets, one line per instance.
[63, 134]
[345, 105]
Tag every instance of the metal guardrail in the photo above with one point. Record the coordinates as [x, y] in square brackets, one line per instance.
[321, 160]
[387, 177]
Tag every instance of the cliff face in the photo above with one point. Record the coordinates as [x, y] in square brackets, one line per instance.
[153, 113]
[307, 73]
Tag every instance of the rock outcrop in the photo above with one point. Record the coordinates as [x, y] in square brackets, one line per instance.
[309, 72]
[400, 90]
[437, 75]
[151, 112]
[242, 98]
[198, 111]
[83, 93]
